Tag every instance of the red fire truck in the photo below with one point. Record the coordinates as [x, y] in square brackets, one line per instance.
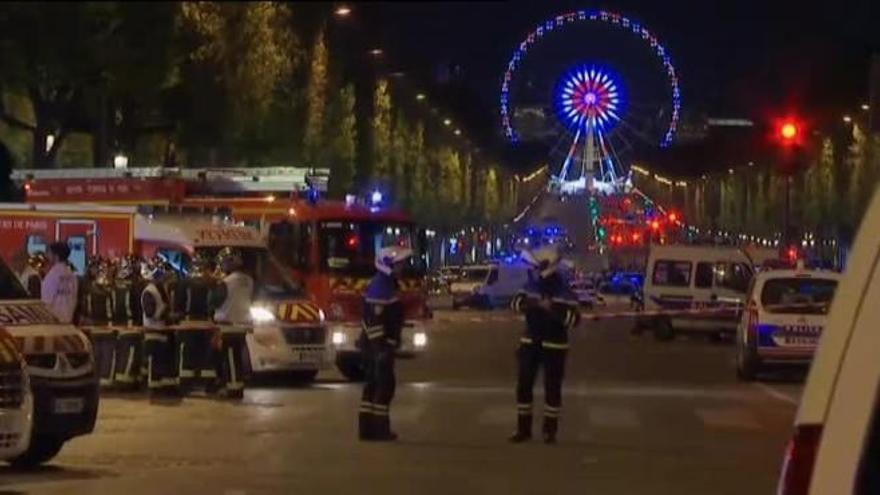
[330, 247]
[327, 246]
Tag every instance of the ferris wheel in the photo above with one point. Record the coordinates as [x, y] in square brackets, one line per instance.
[598, 88]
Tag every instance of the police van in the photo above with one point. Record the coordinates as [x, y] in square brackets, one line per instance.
[685, 278]
[61, 373]
[785, 314]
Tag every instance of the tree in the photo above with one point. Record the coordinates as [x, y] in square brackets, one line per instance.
[53, 68]
[417, 170]
[491, 194]
[400, 135]
[381, 128]
[340, 134]
[6, 165]
[316, 99]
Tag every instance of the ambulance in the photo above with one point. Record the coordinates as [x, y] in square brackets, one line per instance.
[288, 335]
[52, 397]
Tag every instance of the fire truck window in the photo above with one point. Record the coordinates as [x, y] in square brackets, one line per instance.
[289, 243]
[10, 287]
[350, 247]
[77, 253]
[36, 244]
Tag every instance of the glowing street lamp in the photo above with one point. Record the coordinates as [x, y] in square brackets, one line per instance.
[420, 97]
[447, 122]
[343, 11]
[376, 52]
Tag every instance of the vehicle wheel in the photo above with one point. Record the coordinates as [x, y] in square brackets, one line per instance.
[747, 364]
[663, 331]
[351, 366]
[42, 449]
[304, 377]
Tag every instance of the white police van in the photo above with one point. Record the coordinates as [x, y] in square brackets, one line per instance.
[785, 313]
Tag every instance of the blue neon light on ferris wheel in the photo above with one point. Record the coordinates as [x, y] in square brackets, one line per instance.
[590, 97]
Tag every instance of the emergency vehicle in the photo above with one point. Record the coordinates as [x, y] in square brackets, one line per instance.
[330, 248]
[288, 334]
[785, 314]
[57, 398]
[16, 399]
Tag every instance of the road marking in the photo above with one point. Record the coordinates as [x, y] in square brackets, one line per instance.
[776, 394]
[728, 418]
[613, 417]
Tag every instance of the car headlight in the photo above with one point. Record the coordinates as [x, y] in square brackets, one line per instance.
[260, 314]
[338, 338]
[420, 339]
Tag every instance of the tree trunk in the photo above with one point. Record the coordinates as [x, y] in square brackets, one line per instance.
[39, 158]
[100, 145]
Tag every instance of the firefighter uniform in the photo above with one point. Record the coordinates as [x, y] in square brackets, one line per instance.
[159, 341]
[233, 301]
[128, 319]
[196, 357]
[550, 310]
[383, 319]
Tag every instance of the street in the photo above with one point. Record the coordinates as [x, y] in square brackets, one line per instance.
[639, 417]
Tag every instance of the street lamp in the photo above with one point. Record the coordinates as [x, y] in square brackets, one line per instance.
[420, 96]
[847, 119]
[865, 107]
[457, 132]
[343, 11]
[447, 122]
[120, 161]
[376, 52]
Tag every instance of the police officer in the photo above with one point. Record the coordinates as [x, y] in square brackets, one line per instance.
[232, 298]
[380, 338]
[158, 336]
[550, 310]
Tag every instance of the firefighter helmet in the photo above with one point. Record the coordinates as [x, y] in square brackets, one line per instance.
[202, 265]
[544, 259]
[387, 257]
[154, 269]
[39, 262]
[127, 267]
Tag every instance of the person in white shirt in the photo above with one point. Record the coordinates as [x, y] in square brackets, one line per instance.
[232, 298]
[59, 287]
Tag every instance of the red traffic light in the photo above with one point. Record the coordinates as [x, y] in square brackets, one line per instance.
[673, 217]
[788, 131]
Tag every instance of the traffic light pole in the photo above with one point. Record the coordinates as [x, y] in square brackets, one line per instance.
[786, 212]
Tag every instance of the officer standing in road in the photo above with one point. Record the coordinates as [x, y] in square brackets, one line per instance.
[232, 298]
[550, 310]
[380, 338]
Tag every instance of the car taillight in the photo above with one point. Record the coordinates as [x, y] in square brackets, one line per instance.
[800, 457]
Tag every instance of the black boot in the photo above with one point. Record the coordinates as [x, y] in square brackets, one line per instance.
[382, 429]
[523, 431]
[551, 425]
[365, 425]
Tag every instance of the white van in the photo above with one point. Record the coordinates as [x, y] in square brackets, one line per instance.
[835, 447]
[696, 277]
[16, 400]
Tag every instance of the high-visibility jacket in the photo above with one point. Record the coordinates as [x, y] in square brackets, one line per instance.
[158, 318]
[236, 306]
[547, 328]
[383, 311]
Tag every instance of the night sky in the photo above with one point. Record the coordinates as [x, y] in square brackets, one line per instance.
[741, 58]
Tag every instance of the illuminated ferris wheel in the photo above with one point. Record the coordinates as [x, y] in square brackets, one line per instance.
[598, 91]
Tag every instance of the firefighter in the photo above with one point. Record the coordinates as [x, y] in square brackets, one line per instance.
[128, 286]
[159, 345]
[26, 273]
[193, 293]
[232, 298]
[380, 338]
[192, 299]
[550, 310]
[96, 294]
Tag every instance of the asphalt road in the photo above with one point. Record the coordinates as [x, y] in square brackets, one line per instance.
[639, 417]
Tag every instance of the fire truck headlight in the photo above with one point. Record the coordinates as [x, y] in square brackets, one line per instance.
[321, 315]
[338, 338]
[420, 339]
[260, 314]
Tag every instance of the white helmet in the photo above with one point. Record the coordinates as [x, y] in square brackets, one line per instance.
[545, 259]
[388, 256]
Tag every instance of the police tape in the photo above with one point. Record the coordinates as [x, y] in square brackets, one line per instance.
[662, 312]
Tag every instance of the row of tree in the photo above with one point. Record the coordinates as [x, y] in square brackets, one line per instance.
[230, 84]
[828, 196]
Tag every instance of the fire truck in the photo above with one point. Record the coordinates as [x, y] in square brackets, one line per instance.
[327, 247]
[330, 248]
[289, 334]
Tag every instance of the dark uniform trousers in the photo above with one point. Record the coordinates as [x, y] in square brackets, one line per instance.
[380, 338]
[545, 344]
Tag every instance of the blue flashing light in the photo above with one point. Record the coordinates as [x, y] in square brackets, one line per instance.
[376, 197]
